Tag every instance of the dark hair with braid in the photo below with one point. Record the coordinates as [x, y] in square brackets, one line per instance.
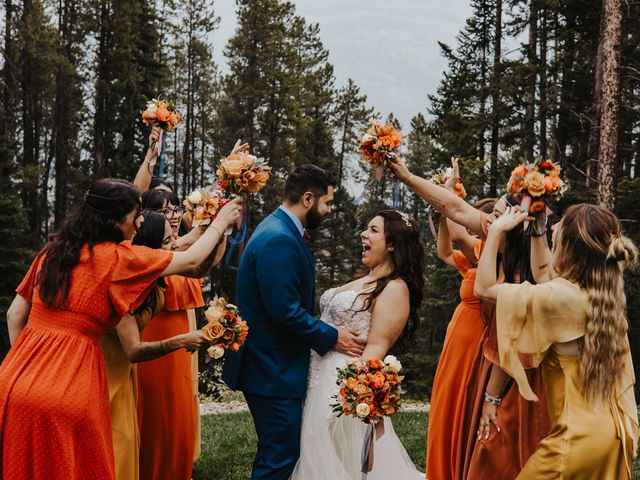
[407, 259]
[93, 221]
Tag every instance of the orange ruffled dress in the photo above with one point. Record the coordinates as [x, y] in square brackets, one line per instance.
[166, 409]
[54, 403]
[449, 393]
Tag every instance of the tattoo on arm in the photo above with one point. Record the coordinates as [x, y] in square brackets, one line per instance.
[152, 350]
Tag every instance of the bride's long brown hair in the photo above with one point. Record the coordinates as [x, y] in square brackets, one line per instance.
[591, 251]
[407, 259]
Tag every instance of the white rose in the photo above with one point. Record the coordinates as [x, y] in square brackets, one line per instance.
[367, 137]
[195, 197]
[363, 410]
[215, 351]
[151, 108]
[393, 363]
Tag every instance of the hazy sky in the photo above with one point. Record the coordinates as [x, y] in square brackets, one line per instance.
[388, 47]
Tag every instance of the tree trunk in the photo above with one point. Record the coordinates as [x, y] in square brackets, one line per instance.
[543, 109]
[596, 113]
[495, 102]
[530, 101]
[610, 103]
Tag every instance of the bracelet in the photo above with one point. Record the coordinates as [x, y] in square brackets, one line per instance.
[488, 398]
[541, 234]
[410, 178]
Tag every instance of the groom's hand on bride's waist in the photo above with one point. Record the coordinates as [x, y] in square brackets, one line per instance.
[349, 343]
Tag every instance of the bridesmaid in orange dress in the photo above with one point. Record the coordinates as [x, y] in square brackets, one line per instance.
[522, 423]
[54, 404]
[449, 391]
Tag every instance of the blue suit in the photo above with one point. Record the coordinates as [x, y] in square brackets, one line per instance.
[276, 293]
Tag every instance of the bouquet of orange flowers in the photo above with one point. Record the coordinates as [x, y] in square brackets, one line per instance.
[203, 205]
[242, 173]
[225, 328]
[369, 389]
[377, 143]
[531, 184]
[161, 113]
[440, 178]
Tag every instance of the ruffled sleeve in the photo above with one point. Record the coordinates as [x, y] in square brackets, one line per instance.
[26, 287]
[530, 318]
[461, 261]
[183, 293]
[135, 270]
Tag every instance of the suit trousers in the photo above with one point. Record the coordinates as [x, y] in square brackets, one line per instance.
[278, 423]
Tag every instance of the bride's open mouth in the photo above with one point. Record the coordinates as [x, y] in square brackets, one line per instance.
[365, 249]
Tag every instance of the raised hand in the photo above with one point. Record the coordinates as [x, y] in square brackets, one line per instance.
[349, 343]
[398, 168]
[450, 184]
[239, 147]
[511, 218]
[229, 214]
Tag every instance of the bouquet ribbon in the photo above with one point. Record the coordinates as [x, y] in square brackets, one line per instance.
[236, 239]
[163, 153]
[374, 432]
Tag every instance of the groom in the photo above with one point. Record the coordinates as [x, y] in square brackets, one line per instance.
[276, 296]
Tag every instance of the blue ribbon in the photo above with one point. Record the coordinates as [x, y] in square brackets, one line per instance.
[236, 239]
[163, 155]
[396, 194]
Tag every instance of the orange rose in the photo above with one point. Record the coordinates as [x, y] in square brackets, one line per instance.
[213, 331]
[378, 380]
[253, 180]
[375, 364]
[360, 389]
[162, 114]
[537, 206]
[234, 165]
[514, 185]
[234, 347]
[173, 121]
[148, 118]
[352, 383]
[229, 334]
[519, 171]
[364, 398]
[534, 183]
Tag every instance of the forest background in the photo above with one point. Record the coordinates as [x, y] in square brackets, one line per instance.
[76, 74]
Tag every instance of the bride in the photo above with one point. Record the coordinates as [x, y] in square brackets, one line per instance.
[381, 305]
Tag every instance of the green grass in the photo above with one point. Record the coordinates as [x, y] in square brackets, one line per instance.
[229, 444]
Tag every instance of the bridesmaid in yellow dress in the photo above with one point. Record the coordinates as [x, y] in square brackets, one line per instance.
[575, 327]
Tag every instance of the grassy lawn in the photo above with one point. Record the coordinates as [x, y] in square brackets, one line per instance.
[229, 443]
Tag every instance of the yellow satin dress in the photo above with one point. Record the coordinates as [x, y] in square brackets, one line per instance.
[584, 443]
[123, 398]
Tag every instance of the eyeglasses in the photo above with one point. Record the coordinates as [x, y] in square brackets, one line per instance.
[169, 212]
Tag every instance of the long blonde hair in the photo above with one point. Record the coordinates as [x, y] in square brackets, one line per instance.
[591, 251]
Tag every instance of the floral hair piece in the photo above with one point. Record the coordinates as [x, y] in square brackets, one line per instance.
[406, 219]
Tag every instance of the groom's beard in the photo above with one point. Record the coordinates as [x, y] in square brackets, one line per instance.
[313, 218]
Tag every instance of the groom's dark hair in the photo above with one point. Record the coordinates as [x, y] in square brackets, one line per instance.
[307, 178]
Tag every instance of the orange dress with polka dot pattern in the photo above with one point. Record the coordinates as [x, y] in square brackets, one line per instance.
[54, 402]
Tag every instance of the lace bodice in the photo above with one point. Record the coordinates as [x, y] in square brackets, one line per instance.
[341, 309]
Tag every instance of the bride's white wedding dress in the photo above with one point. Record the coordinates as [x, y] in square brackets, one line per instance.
[331, 446]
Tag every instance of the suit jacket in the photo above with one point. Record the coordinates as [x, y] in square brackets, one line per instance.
[275, 295]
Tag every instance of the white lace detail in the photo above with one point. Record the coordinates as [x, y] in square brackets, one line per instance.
[341, 309]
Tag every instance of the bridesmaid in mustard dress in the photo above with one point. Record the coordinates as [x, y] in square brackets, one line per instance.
[575, 327]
